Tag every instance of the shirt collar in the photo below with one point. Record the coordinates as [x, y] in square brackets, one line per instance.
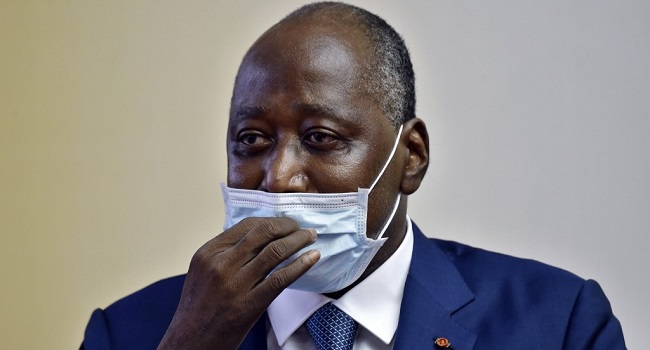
[379, 314]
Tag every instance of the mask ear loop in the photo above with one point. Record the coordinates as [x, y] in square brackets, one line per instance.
[390, 218]
[390, 157]
[392, 153]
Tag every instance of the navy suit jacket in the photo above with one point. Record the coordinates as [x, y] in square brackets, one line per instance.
[474, 298]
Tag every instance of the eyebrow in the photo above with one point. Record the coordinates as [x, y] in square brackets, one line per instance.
[249, 112]
[311, 109]
[316, 109]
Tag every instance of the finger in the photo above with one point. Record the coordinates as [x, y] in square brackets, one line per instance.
[278, 251]
[238, 230]
[279, 280]
[233, 235]
[263, 233]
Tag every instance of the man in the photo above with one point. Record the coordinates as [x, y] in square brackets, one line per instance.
[322, 133]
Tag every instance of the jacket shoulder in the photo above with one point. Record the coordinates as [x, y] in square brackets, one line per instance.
[538, 298]
[157, 296]
[476, 263]
[137, 321]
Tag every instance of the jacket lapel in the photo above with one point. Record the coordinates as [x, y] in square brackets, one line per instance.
[434, 290]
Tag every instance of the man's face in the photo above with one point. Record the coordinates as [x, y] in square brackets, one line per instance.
[301, 121]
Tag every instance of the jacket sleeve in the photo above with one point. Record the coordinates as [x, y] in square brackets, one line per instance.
[592, 324]
[97, 336]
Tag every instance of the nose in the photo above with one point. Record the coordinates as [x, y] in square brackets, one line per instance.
[284, 170]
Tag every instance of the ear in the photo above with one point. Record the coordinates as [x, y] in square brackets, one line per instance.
[416, 138]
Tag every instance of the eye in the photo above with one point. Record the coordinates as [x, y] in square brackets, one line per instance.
[252, 141]
[249, 139]
[322, 140]
[319, 137]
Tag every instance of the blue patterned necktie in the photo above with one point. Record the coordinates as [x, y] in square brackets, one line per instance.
[331, 328]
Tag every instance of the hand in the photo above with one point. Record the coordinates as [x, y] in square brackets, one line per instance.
[227, 289]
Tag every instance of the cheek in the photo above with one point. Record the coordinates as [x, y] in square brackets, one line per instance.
[244, 174]
[383, 196]
[335, 178]
[345, 173]
[380, 205]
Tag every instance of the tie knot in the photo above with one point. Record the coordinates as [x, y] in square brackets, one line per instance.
[331, 328]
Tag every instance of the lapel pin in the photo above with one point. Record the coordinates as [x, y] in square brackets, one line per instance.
[442, 343]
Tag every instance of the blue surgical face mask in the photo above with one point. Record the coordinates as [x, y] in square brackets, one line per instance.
[339, 219]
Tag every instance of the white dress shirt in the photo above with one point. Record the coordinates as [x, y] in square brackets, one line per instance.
[374, 304]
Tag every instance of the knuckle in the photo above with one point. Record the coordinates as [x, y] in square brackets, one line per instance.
[276, 251]
[209, 252]
[248, 223]
[280, 280]
[212, 267]
[244, 240]
[269, 227]
[199, 257]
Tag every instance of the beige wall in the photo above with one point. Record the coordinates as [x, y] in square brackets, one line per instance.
[111, 135]
[111, 153]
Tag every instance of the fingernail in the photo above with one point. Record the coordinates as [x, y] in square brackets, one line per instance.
[314, 255]
[313, 233]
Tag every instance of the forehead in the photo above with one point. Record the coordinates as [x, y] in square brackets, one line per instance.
[318, 42]
[305, 63]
